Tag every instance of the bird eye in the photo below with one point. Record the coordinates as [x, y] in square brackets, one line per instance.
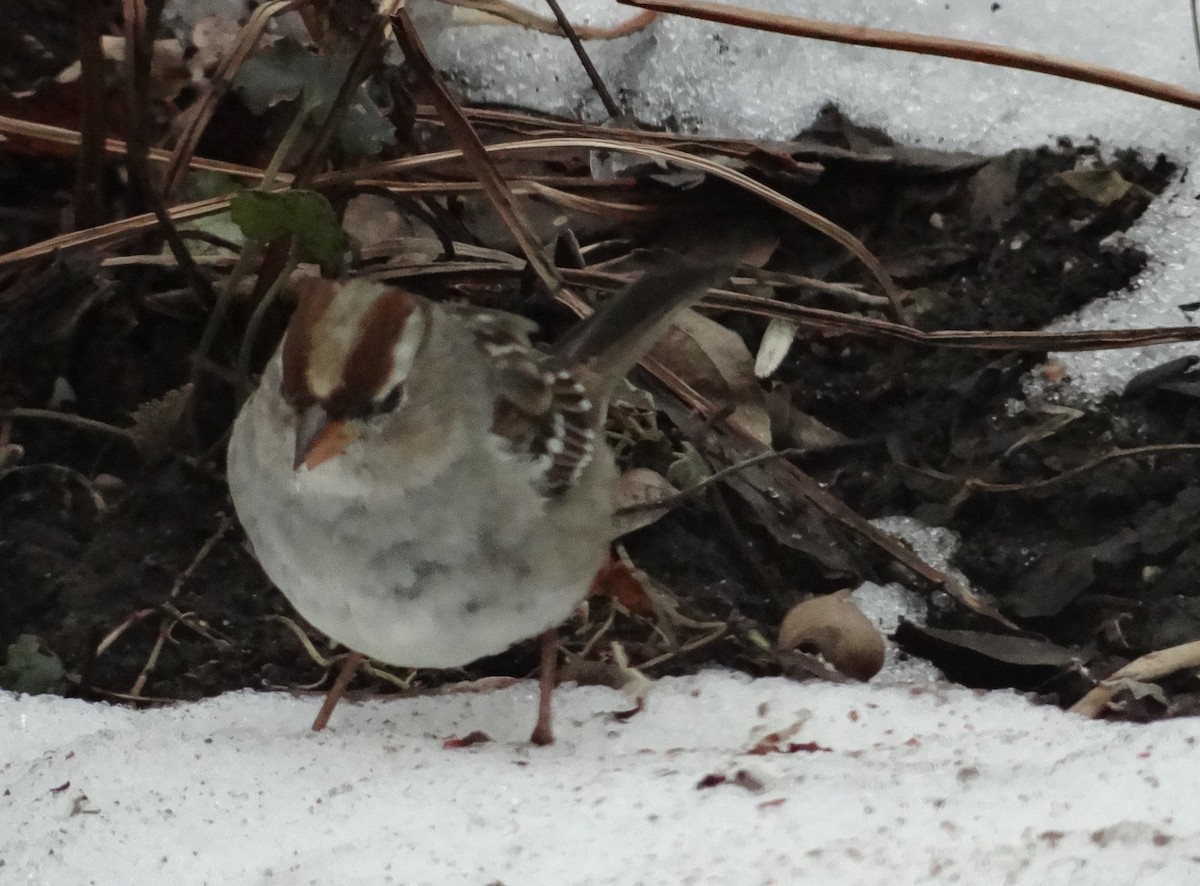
[390, 401]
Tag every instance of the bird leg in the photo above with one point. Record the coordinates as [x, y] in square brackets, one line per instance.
[349, 667]
[547, 675]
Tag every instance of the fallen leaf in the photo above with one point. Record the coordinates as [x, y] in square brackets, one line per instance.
[1155, 377]
[983, 660]
[617, 580]
[1102, 186]
[715, 362]
[640, 486]
[837, 629]
[795, 429]
[773, 349]
[1050, 420]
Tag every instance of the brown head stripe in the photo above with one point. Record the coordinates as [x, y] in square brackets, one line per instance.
[367, 366]
[313, 297]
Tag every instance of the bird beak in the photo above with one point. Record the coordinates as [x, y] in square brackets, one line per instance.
[318, 439]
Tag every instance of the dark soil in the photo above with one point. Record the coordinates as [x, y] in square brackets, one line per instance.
[102, 546]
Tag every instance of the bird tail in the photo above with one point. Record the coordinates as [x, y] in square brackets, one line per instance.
[627, 325]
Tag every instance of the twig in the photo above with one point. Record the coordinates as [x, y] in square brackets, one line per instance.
[973, 483]
[510, 12]
[856, 324]
[62, 472]
[113, 635]
[152, 659]
[590, 643]
[291, 625]
[250, 336]
[138, 52]
[474, 152]
[1151, 666]
[223, 526]
[497, 189]
[613, 142]
[141, 21]
[89, 171]
[597, 81]
[1195, 29]
[173, 615]
[68, 418]
[319, 659]
[967, 50]
[739, 442]
[669, 501]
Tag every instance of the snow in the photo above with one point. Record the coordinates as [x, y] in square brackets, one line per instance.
[735, 82]
[902, 786]
[912, 781]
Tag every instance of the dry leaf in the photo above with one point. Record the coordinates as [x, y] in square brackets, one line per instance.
[156, 422]
[370, 219]
[984, 660]
[617, 580]
[1102, 186]
[1052, 420]
[717, 364]
[837, 629]
[796, 429]
[773, 349]
[640, 486]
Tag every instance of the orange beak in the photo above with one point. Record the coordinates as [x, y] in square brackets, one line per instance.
[319, 439]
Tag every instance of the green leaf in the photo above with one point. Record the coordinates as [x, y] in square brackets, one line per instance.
[28, 670]
[688, 469]
[307, 215]
[219, 224]
[364, 129]
[204, 184]
[286, 70]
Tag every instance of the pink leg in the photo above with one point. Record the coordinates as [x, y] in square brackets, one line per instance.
[345, 675]
[547, 672]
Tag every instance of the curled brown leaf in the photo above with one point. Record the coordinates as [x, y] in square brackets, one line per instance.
[833, 626]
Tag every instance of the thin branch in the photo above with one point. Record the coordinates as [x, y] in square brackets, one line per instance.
[669, 501]
[807, 316]
[597, 81]
[945, 47]
[140, 22]
[69, 418]
[857, 324]
[1075, 472]
[89, 171]
[1195, 29]
[474, 152]
[504, 11]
